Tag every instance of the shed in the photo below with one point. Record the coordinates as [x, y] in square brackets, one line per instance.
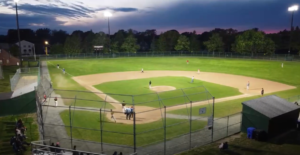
[271, 114]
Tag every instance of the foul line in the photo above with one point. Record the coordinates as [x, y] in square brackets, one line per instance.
[60, 69]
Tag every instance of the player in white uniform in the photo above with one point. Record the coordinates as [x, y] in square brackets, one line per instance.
[142, 70]
[192, 79]
[198, 71]
[248, 85]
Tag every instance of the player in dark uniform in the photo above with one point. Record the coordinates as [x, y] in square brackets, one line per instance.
[262, 92]
[149, 84]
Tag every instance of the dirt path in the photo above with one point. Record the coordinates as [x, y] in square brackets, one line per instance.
[147, 114]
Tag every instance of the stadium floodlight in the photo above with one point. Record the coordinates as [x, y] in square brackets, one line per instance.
[46, 42]
[18, 29]
[293, 8]
[107, 14]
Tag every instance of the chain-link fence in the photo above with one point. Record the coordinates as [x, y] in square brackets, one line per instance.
[161, 123]
[281, 57]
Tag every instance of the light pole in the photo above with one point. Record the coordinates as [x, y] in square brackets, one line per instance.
[108, 14]
[46, 50]
[292, 9]
[17, 19]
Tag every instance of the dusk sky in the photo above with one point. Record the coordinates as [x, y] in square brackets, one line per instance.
[162, 15]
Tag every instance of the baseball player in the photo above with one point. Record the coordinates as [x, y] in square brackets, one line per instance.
[127, 112]
[149, 84]
[248, 85]
[55, 100]
[281, 65]
[262, 92]
[131, 112]
[112, 115]
[57, 66]
[142, 70]
[187, 61]
[45, 98]
[198, 71]
[64, 71]
[192, 81]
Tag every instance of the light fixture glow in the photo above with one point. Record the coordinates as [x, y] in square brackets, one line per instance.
[293, 8]
[46, 42]
[107, 14]
[16, 1]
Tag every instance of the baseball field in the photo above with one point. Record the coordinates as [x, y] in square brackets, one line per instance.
[225, 79]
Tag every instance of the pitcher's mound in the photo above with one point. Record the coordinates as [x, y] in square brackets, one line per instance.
[162, 88]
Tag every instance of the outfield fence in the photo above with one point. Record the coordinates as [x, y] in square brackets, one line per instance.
[281, 57]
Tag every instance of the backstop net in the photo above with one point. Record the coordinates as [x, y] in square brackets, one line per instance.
[165, 122]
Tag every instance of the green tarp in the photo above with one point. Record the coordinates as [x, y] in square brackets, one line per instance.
[23, 104]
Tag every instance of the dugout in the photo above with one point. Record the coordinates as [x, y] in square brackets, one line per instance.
[271, 114]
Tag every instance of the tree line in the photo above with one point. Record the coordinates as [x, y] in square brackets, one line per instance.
[218, 40]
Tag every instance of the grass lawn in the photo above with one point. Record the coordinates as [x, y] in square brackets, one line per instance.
[244, 146]
[5, 83]
[270, 70]
[7, 128]
[140, 86]
[123, 133]
[65, 82]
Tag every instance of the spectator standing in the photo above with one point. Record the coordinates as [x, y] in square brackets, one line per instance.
[75, 152]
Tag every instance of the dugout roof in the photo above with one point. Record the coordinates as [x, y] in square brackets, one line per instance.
[271, 106]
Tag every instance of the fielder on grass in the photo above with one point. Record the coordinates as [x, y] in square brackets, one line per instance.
[192, 81]
[149, 84]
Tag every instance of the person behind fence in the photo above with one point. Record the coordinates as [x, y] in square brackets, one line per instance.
[128, 113]
[131, 112]
[55, 101]
[223, 146]
[58, 150]
[112, 115]
[52, 149]
[45, 98]
[121, 153]
[115, 153]
[75, 152]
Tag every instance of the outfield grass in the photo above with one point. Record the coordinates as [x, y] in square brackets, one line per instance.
[7, 128]
[5, 83]
[118, 133]
[140, 86]
[270, 70]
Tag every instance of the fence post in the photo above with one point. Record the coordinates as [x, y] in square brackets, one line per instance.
[70, 126]
[165, 131]
[191, 124]
[101, 132]
[212, 124]
[134, 133]
[227, 124]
